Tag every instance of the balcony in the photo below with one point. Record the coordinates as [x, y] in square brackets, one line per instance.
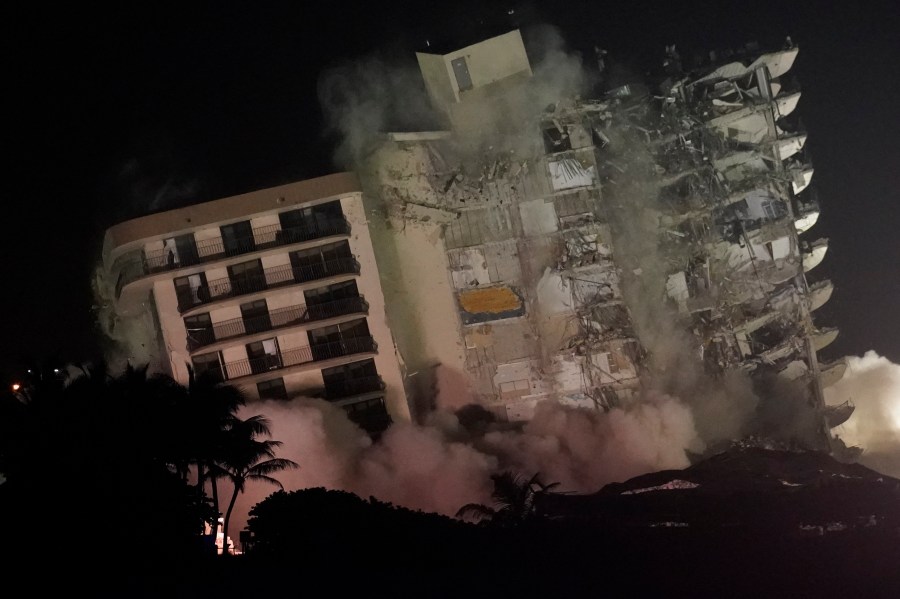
[136, 264]
[210, 250]
[353, 386]
[300, 355]
[269, 278]
[282, 317]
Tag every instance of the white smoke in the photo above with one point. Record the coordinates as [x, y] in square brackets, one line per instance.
[439, 467]
[584, 449]
[872, 384]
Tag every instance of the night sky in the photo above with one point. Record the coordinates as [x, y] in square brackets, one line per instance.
[116, 112]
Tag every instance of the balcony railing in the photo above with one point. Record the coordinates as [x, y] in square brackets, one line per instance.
[300, 355]
[282, 317]
[270, 236]
[136, 264]
[353, 386]
[270, 278]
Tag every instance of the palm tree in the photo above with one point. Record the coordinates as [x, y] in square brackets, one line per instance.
[244, 458]
[515, 500]
[211, 408]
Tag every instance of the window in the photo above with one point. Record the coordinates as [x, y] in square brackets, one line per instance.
[256, 316]
[199, 330]
[237, 238]
[180, 251]
[340, 340]
[461, 71]
[321, 261]
[371, 415]
[351, 379]
[247, 277]
[323, 295]
[313, 216]
[209, 365]
[273, 389]
[263, 355]
[191, 290]
[345, 330]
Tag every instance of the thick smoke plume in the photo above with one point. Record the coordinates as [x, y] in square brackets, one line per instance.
[872, 384]
[364, 98]
[441, 466]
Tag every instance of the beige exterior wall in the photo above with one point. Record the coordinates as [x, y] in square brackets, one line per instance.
[265, 228]
[293, 340]
[493, 59]
[217, 315]
[369, 283]
[207, 234]
[173, 331]
[299, 383]
[276, 260]
[439, 79]
[283, 299]
[487, 62]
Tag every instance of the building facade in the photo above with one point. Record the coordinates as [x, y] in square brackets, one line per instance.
[590, 245]
[275, 291]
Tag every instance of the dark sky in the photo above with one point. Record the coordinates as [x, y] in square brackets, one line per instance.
[113, 112]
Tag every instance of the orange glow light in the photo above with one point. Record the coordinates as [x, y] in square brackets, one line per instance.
[16, 386]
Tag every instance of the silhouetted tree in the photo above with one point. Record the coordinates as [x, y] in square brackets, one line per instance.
[211, 408]
[245, 457]
[92, 463]
[514, 500]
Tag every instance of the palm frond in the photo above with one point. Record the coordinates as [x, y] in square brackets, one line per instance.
[266, 479]
[273, 465]
[476, 512]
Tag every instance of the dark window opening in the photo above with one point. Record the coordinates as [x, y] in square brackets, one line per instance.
[263, 355]
[323, 295]
[209, 365]
[340, 339]
[314, 215]
[461, 71]
[273, 389]
[556, 139]
[351, 379]
[371, 415]
[333, 300]
[191, 290]
[237, 238]
[199, 330]
[180, 251]
[256, 316]
[321, 261]
[312, 222]
[247, 277]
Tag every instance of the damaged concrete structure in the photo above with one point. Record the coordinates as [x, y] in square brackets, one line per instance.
[539, 249]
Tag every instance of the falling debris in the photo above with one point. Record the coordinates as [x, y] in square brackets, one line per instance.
[648, 237]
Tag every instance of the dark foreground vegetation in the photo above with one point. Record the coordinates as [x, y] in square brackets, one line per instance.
[97, 502]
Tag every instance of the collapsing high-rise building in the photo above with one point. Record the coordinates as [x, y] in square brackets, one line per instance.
[541, 244]
[546, 246]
